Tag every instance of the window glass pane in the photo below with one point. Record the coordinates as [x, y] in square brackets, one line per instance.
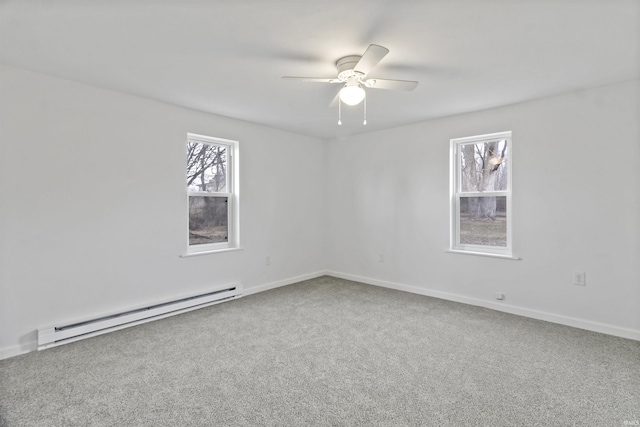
[208, 220]
[483, 166]
[483, 221]
[206, 167]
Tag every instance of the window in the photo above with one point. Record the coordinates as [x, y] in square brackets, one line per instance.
[481, 194]
[212, 188]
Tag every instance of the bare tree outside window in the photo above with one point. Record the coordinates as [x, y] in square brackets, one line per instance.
[206, 167]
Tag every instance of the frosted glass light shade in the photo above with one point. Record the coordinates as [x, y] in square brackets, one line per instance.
[352, 95]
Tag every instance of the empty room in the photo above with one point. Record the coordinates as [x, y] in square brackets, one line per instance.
[331, 213]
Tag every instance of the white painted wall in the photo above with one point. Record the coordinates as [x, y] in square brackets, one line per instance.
[93, 204]
[88, 226]
[576, 206]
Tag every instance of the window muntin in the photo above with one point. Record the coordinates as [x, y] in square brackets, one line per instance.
[481, 194]
[212, 194]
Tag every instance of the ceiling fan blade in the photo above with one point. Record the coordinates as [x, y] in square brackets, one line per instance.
[391, 84]
[370, 58]
[312, 79]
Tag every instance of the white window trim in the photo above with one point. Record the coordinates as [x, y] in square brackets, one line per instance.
[232, 195]
[454, 184]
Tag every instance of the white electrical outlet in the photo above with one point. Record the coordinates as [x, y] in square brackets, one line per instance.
[267, 261]
[579, 278]
[381, 259]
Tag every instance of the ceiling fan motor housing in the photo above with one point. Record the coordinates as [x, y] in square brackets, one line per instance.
[346, 67]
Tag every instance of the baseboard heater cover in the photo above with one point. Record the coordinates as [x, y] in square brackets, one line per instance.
[70, 332]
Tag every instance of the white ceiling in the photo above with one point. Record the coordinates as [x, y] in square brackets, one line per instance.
[226, 57]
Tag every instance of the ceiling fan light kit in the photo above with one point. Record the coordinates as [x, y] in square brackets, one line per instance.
[352, 71]
[352, 93]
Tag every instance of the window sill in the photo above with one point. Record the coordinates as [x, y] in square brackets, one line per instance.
[512, 257]
[212, 251]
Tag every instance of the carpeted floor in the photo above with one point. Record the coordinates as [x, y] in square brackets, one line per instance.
[330, 352]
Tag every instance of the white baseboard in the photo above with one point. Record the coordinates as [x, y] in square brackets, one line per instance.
[285, 282]
[17, 350]
[26, 347]
[507, 308]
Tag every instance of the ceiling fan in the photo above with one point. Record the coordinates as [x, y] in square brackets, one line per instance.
[352, 73]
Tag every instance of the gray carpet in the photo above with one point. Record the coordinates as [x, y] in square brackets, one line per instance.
[330, 352]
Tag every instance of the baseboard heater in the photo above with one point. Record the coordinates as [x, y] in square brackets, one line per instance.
[62, 334]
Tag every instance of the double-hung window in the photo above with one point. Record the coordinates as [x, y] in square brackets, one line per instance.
[481, 194]
[212, 188]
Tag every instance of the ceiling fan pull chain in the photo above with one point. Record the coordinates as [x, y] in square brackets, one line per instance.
[339, 112]
[365, 112]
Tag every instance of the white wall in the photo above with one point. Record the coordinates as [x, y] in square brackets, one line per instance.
[93, 204]
[576, 207]
[92, 217]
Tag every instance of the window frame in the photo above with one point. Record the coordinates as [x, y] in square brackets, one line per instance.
[231, 193]
[456, 194]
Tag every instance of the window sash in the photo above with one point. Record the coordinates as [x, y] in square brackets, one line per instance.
[228, 173]
[209, 194]
[205, 247]
[474, 141]
[502, 250]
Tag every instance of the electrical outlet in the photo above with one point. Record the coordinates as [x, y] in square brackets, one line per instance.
[381, 259]
[579, 278]
[267, 261]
